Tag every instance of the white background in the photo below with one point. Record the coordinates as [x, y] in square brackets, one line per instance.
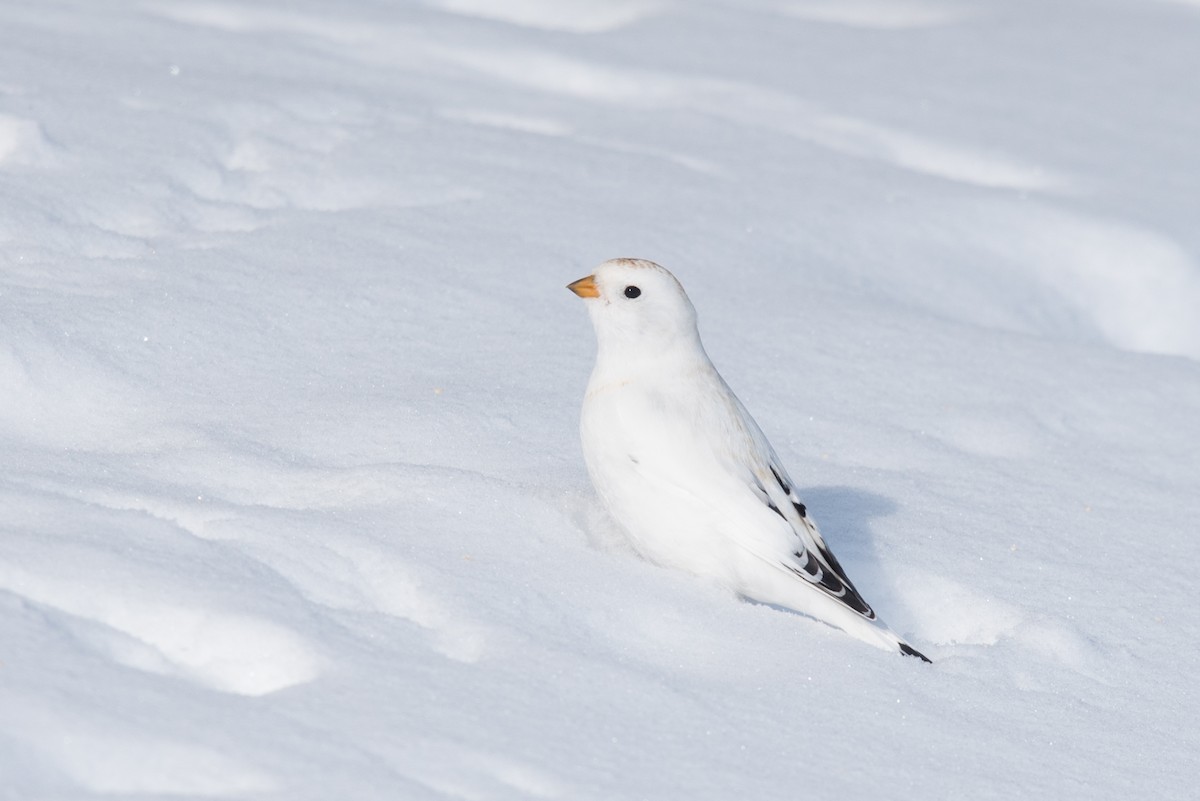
[291, 498]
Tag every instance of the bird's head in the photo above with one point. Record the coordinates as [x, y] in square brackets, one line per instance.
[633, 302]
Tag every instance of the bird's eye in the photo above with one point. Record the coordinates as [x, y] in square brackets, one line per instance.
[632, 291]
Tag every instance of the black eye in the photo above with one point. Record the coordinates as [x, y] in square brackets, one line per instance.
[632, 291]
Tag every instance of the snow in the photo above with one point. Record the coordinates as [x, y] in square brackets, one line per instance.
[291, 498]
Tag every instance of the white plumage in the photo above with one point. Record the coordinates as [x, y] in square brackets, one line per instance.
[683, 467]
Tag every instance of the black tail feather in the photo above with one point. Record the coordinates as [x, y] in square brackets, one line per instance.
[908, 650]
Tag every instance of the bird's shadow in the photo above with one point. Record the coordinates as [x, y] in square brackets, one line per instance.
[844, 515]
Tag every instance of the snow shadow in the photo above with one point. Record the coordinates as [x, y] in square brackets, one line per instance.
[844, 515]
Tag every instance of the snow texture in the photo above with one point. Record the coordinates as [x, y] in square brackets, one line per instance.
[292, 504]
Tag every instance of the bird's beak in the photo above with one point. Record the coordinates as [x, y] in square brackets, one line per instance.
[585, 287]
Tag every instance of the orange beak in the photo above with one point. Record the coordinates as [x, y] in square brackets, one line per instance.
[585, 287]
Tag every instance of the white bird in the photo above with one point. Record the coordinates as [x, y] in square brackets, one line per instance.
[683, 467]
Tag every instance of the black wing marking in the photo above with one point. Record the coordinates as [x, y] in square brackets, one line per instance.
[821, 568]
[831, 583]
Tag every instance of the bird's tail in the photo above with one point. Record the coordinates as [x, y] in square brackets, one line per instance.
[777, 586]
[908, 650]
[875, 632]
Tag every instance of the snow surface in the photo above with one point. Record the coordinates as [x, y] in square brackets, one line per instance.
[292, 504]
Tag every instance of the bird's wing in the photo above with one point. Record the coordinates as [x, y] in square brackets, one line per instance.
[811, 559]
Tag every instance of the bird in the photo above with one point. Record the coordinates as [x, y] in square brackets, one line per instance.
[684, 469]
